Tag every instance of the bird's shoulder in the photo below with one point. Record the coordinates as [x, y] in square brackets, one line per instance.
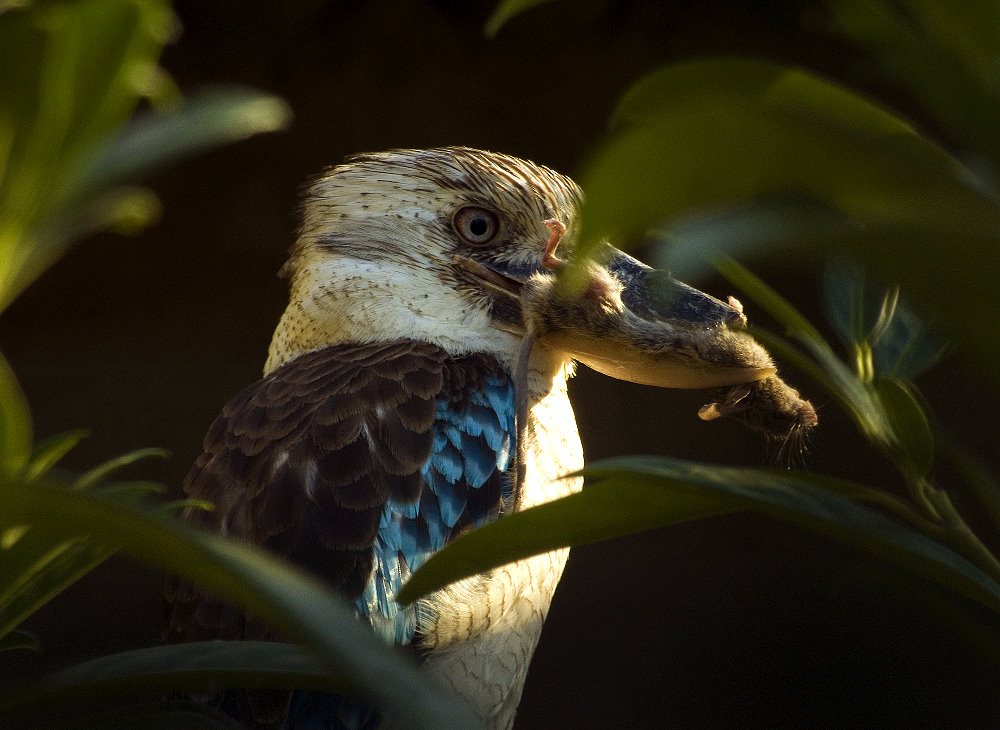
[357, 462]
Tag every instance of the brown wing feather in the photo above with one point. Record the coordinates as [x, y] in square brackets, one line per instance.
[302, 462]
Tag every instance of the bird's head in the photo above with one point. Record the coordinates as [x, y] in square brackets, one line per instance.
[459, 247]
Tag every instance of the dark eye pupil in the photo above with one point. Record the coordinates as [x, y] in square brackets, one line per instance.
[476, 226]
[479, 226]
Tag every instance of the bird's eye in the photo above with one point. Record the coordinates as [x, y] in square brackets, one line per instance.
[476, 226]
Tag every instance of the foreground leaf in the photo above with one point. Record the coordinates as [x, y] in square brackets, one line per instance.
[713, 134]
[35, 567]
[194, 666]
[72, 72]
[805, 501]
[636, 494]
[506, 10]
[19, 640]
[296, 606]
[597, 513]
[944, 53]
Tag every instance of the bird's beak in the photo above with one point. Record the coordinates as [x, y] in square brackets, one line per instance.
[630, 321]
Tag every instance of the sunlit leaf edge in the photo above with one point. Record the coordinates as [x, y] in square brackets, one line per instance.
[505, 11]
[594, 514]
[634, 494]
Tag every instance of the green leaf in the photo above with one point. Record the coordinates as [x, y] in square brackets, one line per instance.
[103, 471]
[909, 423]
[506, 10]
[70, 73]
[597, 513]
[15, 422]
[19, 640]
[208, 118]
[751, 158]
[179, 667]
[902, 345]
[801, 500]
[47, 454]
[636, 494]
[296, 606]
[944, 53]
[34, 569]
[716, 133]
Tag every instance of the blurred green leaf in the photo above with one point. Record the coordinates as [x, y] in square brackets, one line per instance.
[294, 605]
[708, 134]
[36, 568]
[70, 73]
[901, 344]
[178, 667]
[749, 157]
[945, 53]
[910, 426]
[506, 10]
[15, 422]
[19, 640]
[206, 119]
[46, 454]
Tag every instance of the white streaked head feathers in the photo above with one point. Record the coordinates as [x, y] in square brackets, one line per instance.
[373, 260]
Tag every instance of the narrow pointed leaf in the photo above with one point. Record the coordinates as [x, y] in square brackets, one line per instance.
[597, 513]
[636, 494]
[178, 667]
[19, 640]
[506, 10]
[208, 118]
[296, 606]
[35, 569]
[909, 423]
[15, 422]
[799, 500]
[103, 471]
[47, 453]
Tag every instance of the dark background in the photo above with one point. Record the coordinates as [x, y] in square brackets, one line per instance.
[733, 621]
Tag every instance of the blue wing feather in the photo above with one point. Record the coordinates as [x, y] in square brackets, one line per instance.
[473, 438]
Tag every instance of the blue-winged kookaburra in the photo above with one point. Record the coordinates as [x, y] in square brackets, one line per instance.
[423, 311]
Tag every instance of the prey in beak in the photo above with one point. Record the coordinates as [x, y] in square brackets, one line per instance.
[635, 323]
